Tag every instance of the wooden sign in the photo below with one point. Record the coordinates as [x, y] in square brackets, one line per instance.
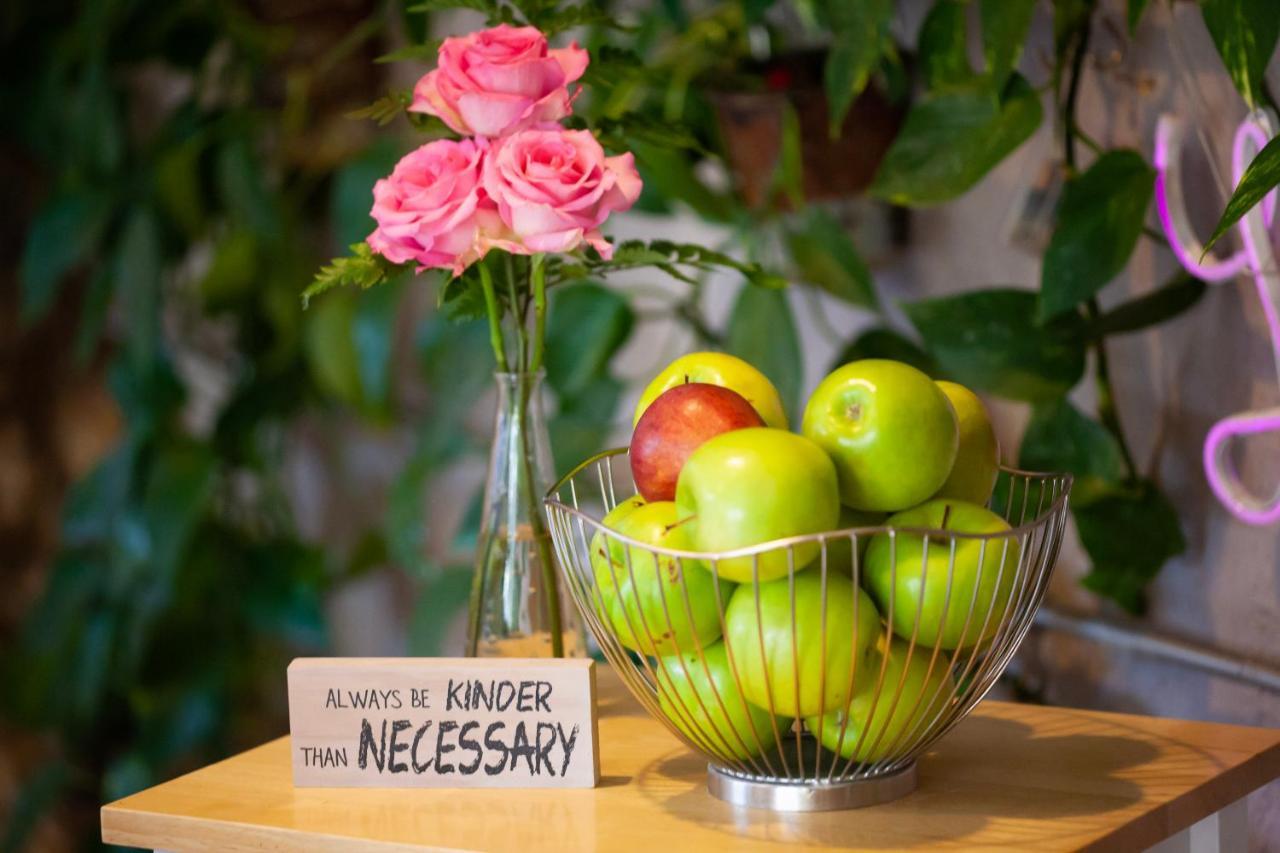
[443, 723]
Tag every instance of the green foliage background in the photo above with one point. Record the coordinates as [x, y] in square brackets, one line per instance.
[178, 593]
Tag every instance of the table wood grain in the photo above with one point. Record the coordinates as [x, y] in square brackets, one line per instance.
[1010, 777]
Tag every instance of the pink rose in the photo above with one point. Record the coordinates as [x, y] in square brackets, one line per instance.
[554, 188]
[499, 80]
[431, 208]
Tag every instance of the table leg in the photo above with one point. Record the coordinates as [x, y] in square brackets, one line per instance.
[1226, 831]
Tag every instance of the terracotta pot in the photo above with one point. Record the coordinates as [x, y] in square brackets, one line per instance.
[751, 124]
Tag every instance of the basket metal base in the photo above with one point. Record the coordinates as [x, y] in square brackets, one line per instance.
[784, 796]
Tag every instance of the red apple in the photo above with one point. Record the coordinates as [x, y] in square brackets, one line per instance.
[675, 425]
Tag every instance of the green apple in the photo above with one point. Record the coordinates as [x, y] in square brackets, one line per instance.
[752, 486]
[883, 723]
[801, 649]
[657, 605]
[727, 371]
[840, 548]
[973, 476]
[889, 429]
[701, 696]
[958, 601]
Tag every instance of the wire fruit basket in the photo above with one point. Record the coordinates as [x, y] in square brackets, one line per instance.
[819, 688]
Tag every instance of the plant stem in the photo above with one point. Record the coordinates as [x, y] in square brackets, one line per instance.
[517, 318]
[1107, 411]
[538, 277]
[495, 318]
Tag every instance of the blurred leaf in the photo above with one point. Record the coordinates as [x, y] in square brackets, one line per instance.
[243, 189]
[37, 795]
[1245, 33]
[286, 598]
[943, 44]
[351, 195]
[457, 366]
[178, 190]
[137, 274]
[461, 297]
[951, 139]
[1004, 31]
[330, 350]
[586, 325]
[372, 334]
[1099, 221]
[1136, 8]
[762, 330]
[61, 237]
[93, 315]
[425, 53]
[824, 255]
[671, 173]
[1061, 439]
[1129, 536]
[880, 342]
[1262, 176]
[987, 339]
[1069, 19]
[858, 33]
[467, 535]
[439, 442]
[584, 423]
[1179, 294]
[234, 270]
[440, 601]
[788, 175]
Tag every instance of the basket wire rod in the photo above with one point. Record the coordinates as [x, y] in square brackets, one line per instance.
[764, 666]
[855, 573]
[725, 746]
[884, 665]
[822, 624]
[875, 765]
[955, 683]
[612, 500]
[737, 678]
[797, 724]
[693, 733]
[921, 711]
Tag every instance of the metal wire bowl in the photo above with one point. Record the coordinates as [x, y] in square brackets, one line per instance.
[905, 692]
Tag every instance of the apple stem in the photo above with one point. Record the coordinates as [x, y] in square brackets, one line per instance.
[946, 515]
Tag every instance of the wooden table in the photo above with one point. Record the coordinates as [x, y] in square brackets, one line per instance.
[1020, 777]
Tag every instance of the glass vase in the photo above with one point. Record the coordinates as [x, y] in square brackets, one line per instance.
[517, 606]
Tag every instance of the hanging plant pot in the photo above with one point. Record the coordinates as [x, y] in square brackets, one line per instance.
[752, 122]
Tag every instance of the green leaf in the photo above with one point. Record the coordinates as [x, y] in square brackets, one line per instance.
[586, 325]
[988, 340]
[62, 236]
[386, 109]
[1245, 33]
[372, 333]
[824, 255]
[422, 53]
[943, 44]
[1262, 176]
[137, 268]
[1060, 439]
[1099, 221]
[330, 350]
[858, 34]
[951, 139]
[584, 423]
[351, 195]
[1004, 31]
[788, 175]
[670, 171]
[1129, 536]
[1136, 8]
[1175, 296]
[880, 342]
[762, 330]
[362, 269]
[406, 523]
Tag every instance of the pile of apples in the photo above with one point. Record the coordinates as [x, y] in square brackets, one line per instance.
[747, 642]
